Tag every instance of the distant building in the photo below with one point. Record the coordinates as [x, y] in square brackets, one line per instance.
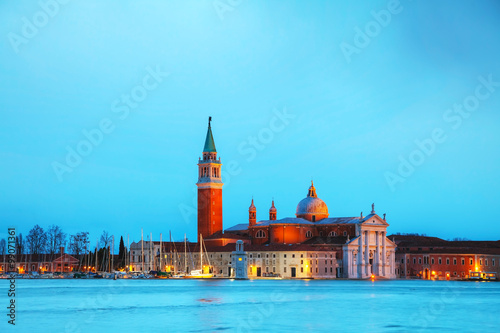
[40, 263]
[434, 258]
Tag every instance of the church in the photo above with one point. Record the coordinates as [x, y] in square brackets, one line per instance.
[359, 244]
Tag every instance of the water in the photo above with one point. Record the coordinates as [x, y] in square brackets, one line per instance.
[253, 305]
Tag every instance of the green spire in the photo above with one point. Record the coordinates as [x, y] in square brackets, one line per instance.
[209, 141]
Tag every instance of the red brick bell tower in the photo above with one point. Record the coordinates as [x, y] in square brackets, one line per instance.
[209, 189]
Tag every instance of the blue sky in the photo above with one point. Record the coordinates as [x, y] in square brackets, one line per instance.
[351, 119]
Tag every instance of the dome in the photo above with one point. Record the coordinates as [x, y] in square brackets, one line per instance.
[312, 208]
[311, 205]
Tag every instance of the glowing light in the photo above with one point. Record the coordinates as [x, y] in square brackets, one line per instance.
[477, 269]
[240, 259]
[373, 276]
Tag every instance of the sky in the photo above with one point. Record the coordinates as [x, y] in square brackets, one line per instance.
[104, 109]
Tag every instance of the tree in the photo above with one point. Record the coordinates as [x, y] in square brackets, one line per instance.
[19, 244]
[78, 242]
[122, 252]
[56, 238]
[36, 240]
[106, 239]
[3, 246]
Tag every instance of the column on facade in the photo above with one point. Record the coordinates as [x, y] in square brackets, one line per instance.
[376, 262]
[367, 253]
[359, 257]
[384, 257]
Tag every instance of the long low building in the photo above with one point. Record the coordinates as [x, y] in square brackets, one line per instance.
[435, 258]
[40, 263]
[287, 261]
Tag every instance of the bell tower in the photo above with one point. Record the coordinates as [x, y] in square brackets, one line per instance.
[252, 214]
[209, 189]
[272, 212]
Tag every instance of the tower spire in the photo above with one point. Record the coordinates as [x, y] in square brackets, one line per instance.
[209, 141]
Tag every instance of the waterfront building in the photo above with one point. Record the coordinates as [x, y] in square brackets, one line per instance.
[40, 263]
[435, 258]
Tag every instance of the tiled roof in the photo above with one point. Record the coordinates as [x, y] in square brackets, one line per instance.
[238, 227]
[220, 235]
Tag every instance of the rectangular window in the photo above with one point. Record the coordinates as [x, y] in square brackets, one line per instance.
[284, 269]
[402, 261]
[302, 262]
[302, 256]
[471, 263]
[414, 260]
[284, 262]
[463, 261]
[486, 262]
[493, 262]
[420, 260]
[481, 262]
[439, 261]
[274, 269]
[293, 255]
[311, 269]
[331, 270]
[302, 269]
[284, 256]
[447, 261]
[454, 261]
[408, 260]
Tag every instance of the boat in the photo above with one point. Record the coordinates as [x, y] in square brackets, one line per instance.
[483, 276]
[198, 273]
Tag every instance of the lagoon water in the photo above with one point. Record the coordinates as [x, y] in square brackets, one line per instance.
[253, 306]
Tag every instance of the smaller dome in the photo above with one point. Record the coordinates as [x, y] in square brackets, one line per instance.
[252, 207]
[272, 209]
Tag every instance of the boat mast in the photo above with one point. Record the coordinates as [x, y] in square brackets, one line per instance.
[96, 253]
[160, 250]
[112, 255]
[201, 253]
[127, 253]
[142, 246]
[151, 251]
[185, 255]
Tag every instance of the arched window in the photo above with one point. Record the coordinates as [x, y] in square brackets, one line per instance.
[345, 233]
[321, 234]
[309, 234]
[314, 218]
[332, 234]
[260, 234]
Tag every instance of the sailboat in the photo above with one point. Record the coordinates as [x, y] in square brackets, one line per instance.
[180, 275]
[199, 273]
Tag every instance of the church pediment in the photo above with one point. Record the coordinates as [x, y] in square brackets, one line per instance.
[374, 219]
